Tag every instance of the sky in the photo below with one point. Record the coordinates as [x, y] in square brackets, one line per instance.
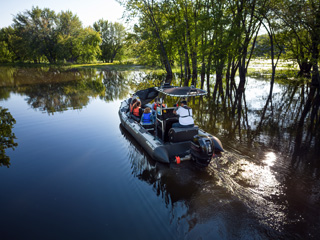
[88, 11]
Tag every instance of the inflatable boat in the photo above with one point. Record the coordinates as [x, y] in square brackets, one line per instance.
[160, 140]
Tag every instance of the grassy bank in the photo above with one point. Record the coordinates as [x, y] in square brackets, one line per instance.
[98, 65]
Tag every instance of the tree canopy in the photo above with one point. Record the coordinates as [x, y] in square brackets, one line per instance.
[41, 35]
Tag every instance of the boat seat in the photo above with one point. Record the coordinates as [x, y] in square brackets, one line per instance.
[148, 127]
[182, 134]
[134, 117]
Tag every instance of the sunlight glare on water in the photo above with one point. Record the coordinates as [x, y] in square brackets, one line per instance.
[270, 158]
[255, 184]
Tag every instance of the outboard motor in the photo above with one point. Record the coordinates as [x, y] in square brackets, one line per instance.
[202, 149]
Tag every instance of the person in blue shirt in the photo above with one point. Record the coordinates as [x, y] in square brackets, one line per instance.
[147, 118]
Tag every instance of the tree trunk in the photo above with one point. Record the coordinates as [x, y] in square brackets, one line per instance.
[228, 80]
[161, 45]
[194, 66]
[242, 82]
[208, 73]
[203, 73]
[186, 68]
[305, 69]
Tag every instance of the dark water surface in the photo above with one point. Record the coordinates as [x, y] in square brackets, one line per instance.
[77, 174]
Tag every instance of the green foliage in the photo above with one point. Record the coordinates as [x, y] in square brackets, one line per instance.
[36, 29]
[262, 47]
[41, 35]
[69, 30]
[113, 37]
[4, 52]
[90, 41]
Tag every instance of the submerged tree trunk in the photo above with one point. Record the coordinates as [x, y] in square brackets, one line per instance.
[218, 87]
[241, 85]
[313, 100]
[305, 69]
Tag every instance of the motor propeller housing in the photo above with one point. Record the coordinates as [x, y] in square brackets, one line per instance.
[202, 149]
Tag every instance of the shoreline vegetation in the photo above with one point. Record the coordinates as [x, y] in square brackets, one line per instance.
[255, 64]
[257, 67]
[116, 65]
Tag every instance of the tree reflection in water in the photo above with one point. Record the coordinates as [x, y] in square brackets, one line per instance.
[55, 90]
[7, 137]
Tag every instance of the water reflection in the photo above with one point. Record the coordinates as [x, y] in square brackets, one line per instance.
[117, 85]
[250, 130]
[154, 173]
[7, 137]
[55, 90]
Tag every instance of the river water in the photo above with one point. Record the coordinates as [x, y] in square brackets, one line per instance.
[75, 173]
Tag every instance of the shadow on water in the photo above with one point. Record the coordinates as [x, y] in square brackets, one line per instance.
[163, 177]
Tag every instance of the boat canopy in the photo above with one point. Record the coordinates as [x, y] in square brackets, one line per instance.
[147, 95]
[182, 91]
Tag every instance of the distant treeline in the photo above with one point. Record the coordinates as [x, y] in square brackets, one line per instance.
[41, 35]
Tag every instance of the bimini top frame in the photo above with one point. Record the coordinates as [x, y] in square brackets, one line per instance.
[184, 92]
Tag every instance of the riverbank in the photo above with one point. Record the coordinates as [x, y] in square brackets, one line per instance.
[258, 64]
[257, 67]
[98, 65]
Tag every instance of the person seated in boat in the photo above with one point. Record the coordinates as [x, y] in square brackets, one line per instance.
[185, 116]
[147, 118]
[136, 109]
[157, 103]
[133, 101]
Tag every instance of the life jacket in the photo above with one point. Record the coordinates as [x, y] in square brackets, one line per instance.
[187, 108]
[158, 105]
[146, 118]
[136, 111]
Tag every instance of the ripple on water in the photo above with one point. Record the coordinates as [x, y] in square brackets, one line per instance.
[255, 185]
